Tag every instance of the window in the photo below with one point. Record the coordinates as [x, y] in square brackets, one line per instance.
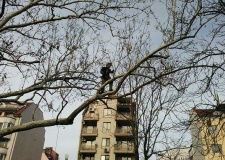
[5, 125]
[106, 127]
[105, 142]
[3, 143]
[90, 129]
[2, 156]
[104, 157]
[92, 115]
[126, 129]
[107, 112]
[124, 145]
[213, 130]
[90, 145]
[216, 148]
[9, 125]
[124, 158]
[87, 158]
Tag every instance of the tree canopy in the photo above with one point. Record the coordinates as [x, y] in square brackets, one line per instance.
[169, 56]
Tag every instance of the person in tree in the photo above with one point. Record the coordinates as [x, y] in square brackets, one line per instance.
[105, 71]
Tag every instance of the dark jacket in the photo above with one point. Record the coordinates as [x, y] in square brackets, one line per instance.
[105, 71]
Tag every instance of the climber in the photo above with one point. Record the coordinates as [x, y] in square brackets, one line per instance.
[105, 71]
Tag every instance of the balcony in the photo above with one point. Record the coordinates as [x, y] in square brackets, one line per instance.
[93, 132]
[9, 108]
[88, 148]
[7, 120]
[123, 116]
[121, 132]
[91, 116]
[7, 136]
[125, 157]
[3, 150]
[123, 149]
[124, 103]
[86, 157]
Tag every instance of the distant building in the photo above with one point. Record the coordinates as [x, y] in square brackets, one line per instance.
[49, 154]
[26, 145]
[181, 153]
[66, 157]
[107, 134]
[208, 133]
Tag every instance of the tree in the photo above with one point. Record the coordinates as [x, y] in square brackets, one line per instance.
[56, 48]
[190, 78]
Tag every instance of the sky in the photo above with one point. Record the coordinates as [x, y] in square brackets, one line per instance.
[64, 139]
[68, 136]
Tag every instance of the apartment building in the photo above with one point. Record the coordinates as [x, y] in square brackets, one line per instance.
[181, 153]
[107, 132]
[208, 133]
[26, 145]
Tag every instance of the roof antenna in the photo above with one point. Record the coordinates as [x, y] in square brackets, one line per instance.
[217, 99]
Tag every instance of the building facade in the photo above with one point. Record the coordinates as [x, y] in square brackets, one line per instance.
[208, 133]
[107, 132]
[26, 145]
[181, 153]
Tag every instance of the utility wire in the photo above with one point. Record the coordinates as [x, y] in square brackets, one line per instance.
[57, 138]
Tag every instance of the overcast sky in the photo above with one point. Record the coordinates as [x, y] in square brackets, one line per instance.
[68, 136]
[65, 139]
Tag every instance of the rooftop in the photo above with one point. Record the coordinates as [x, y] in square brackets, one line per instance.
[14, 108]
[210, 112]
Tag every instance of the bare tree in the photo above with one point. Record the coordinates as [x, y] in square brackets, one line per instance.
[55, 49]
[189, 77]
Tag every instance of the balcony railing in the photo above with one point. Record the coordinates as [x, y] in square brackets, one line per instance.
[7, 120]
[124, 105]
[88, 157]
[91, 116]
[3, 150]
[7, 136]
[123, 149]
[123, 132]
[123, 116]
[124, 102]
[88, 148]
[90, 132]
[125, 157]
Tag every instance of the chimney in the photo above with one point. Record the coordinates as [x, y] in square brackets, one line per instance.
[66, 157]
